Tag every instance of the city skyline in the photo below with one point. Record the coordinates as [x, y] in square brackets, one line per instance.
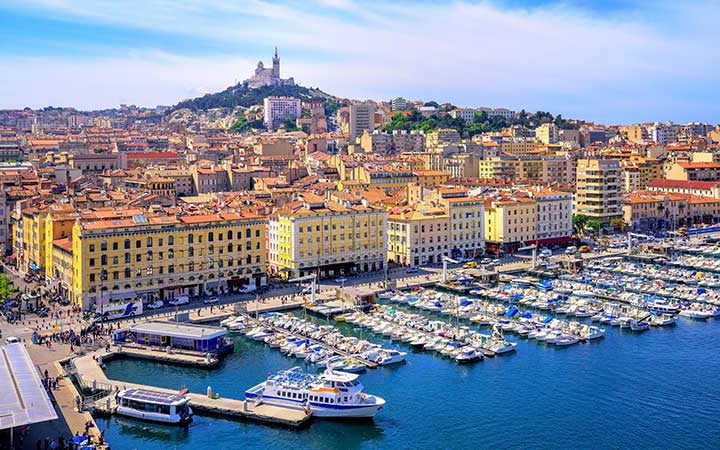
[607, 62]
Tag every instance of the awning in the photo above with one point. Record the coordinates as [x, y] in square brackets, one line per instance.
[122, 295]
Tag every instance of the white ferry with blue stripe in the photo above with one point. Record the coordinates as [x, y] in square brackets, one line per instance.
[331, 394]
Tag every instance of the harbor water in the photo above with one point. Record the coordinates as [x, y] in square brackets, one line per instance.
[657, 389]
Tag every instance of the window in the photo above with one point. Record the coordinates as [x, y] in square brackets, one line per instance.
[103, 246]
[171, 240]
[92, 277]
[138, 257]
[127, 244]
[149, 242]
[247, 232]
[127, 272]
[103, 260]
[191, 238]
[127, 258]
[137, 244]
[211, 236]
[257, 233]
[92, 262]
[92, 247]
[115, 260]
[230, 234]
[115, 246]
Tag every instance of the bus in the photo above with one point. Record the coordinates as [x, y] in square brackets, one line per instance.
[113, 311]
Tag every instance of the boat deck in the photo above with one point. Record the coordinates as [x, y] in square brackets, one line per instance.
[89, 372]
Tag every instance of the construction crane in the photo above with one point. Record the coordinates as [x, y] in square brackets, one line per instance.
[445, 261]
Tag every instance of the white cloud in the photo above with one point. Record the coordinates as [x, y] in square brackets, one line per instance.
[554, 58]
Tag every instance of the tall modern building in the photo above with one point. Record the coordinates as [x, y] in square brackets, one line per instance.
[599, 182]
[277, 109]
[362, 117]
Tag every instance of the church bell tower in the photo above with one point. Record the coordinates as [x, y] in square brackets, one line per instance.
[276, 65]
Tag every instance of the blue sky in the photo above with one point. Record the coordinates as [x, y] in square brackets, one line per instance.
[611, 61]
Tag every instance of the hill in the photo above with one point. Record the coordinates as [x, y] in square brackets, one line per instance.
[241, 95]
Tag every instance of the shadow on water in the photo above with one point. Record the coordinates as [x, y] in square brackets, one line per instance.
[150, 431]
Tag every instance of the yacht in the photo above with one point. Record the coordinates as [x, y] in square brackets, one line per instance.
[694, 314]
[468, 355]
[155, 406]
[386, 357]
[331, 394]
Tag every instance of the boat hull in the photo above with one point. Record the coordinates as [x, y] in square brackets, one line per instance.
[154, 417]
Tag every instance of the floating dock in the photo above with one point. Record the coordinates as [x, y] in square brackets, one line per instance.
[89, 373]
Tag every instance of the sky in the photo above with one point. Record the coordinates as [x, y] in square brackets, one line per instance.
[609, 61]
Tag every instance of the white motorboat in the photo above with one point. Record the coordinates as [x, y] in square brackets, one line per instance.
[386, 357]
[663, 320]
[468, 355]
[696, 314]
[566, 339]
[331, 394]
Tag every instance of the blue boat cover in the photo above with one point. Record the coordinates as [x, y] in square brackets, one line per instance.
[548, 319]
[511, 311]
[465, 303]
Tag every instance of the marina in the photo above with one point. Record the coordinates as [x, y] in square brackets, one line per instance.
[592, 311]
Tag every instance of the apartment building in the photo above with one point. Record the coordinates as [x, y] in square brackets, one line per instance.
[314, 235]
[598, 186]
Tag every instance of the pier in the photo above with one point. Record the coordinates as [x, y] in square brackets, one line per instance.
[89, 373]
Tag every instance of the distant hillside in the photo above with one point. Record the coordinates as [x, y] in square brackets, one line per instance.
[240, 95]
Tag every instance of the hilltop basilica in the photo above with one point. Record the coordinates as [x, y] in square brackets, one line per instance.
[268, 77]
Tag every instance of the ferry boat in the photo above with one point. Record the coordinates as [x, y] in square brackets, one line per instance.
[330, 394]
[155, 406]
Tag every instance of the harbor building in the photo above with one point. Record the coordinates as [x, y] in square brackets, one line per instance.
[165, 256]
[510, 223]
[313, 235]
[185, 336]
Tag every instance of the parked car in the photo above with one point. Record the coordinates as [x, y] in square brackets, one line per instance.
[211, 300]
[584, 249]
[12, 340]
[248, 288]
[485, 261]
[177, 301]
[306, 290]
[340, 280]
[571, 250]
[546, 253]
[156, 304]
[412, 270]
[470, 265]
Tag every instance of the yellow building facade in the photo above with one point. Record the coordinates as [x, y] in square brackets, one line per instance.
[164, 257]
[316, 236]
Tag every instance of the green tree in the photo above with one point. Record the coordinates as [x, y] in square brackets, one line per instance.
[5, 287]
[579, 222]
[593, 225]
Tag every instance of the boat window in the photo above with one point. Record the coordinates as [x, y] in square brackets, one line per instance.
[332, 400]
